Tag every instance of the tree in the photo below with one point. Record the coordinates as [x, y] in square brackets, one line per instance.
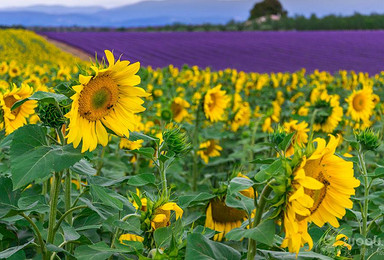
[266, 8]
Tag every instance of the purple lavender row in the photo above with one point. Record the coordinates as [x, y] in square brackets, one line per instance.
[262, 52]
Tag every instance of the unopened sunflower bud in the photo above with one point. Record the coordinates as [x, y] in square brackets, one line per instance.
[51, 115]
[368, 139]
[177, 142]
[278, 136]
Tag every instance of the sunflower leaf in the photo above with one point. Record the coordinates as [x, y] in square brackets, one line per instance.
[47, 97]
[263, 233]
[33, 158]
[200, 247]
[239, 184]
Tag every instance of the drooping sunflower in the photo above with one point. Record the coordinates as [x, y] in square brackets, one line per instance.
[336, 174]
[130, 237]
[221, 218]
[208, 149]
[329, 113]
[360, 104]
[215, 103]
[179, 109]
[106, 100]
[18, 117]
[162, 215]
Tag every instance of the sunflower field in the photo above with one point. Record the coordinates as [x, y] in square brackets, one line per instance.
[109, 160]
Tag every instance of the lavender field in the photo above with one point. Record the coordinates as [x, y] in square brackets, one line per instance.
[247, 51]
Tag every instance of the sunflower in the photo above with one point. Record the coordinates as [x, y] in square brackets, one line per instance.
[130, 237]
[179, 109]
[209, 149]
[221, 218]
[301, 134]
[3, 68]
[215, 103]
[329, 113]
[361, 104]
[14, 70]
[130, 145]
[106, 100]
[17, 117]
[339, 183]
[242, 117]
[162, 215]
[297, 211]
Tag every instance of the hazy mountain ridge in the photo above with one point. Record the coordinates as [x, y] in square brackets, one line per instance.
[140, 14]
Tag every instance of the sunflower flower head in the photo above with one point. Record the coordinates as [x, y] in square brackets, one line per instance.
[361, 104]
[106, 100]
[209, 149]
[215, 103]
[222, 218]
[161, 216]
[328, 113]
[13, 119]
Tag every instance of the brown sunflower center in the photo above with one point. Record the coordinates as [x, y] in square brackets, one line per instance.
[223, 213]
[359, 102]
[98, 97]
[211, 147]
[9, 101]
[214, 98]
[318, 195]
[176, 109]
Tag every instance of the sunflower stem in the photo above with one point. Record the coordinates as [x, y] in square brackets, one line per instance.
[38, 234]
[163, 177]
[252, 245]
[55, 188]
[67, 195]
[253, 140]
[195, 144]
[364, 213]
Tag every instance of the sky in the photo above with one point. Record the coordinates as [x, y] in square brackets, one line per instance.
[104, 3]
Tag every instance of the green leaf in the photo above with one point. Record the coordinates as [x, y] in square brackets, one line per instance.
[33, 203]
[272, 170]
[42, 96]
[101, 194]
[286, 142]
[291, 256]
[70, 233]
[162, 236]
[32, 158]
[142, 179]
[189, 200]
[240, 201]
[263, 161]
[83, 167]
[238, 184]
[134, 136]
[147, 152]
[12, 250]
[200, 247]
[263, 233]
[87, 253]
[8, 197]
[131, 224]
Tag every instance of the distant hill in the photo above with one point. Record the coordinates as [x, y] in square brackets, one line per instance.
[147, 13]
